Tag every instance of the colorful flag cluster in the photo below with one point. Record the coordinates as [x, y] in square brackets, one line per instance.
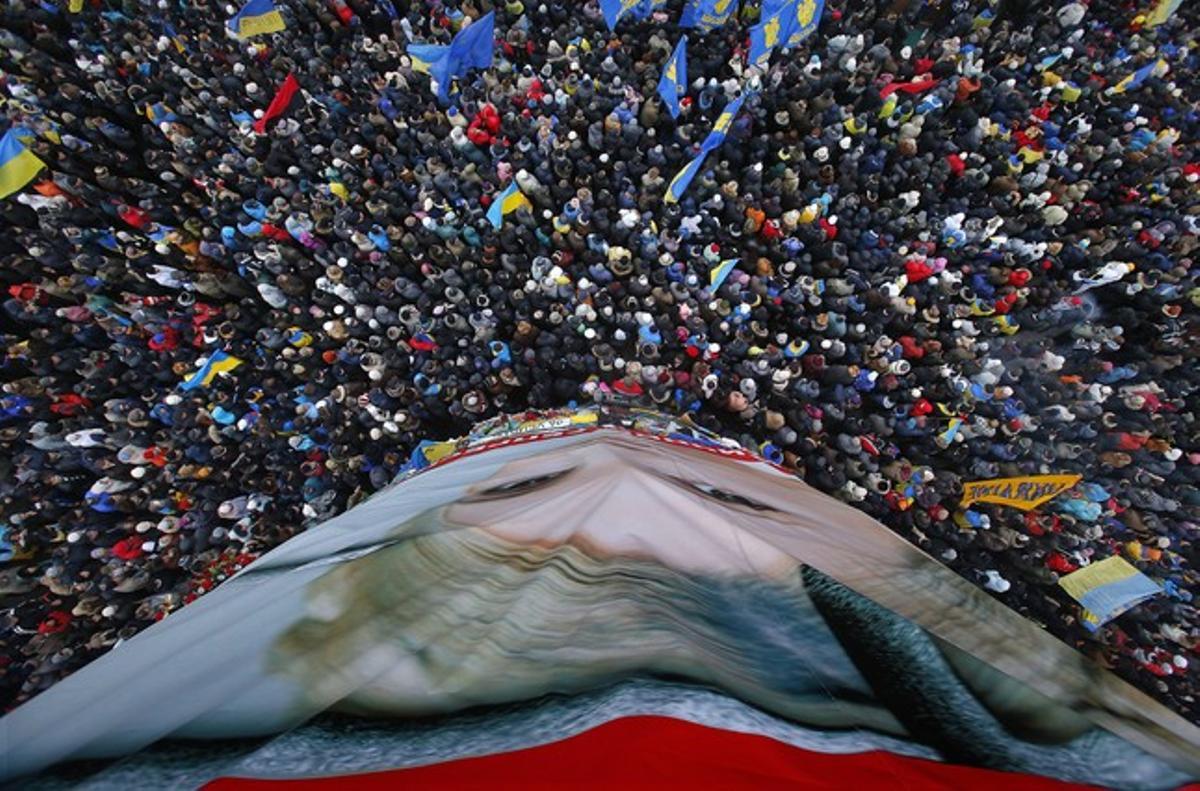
[256, 18]
[715, 138]
[784, 24]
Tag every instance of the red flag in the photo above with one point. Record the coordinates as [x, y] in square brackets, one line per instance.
[916, 86]
[279, 104]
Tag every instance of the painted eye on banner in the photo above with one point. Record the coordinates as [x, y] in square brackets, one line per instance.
[518, 487]
[722, 496]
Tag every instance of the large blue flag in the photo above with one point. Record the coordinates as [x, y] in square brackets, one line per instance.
[784, 24]
[715, 138]
[805, 20]
[613, 10]
[771, 31]
[424, 56]
[616, 10]
[470, 49]
[706, 15]
[673, 83]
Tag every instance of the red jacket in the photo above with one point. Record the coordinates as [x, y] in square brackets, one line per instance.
[484, 126]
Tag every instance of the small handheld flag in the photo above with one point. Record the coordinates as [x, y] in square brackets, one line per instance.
[721, 271]
[256, 18]
[505, 203]
[673, 83]
[158, 113]
[18, 165]
[218, 363]
[173, 35]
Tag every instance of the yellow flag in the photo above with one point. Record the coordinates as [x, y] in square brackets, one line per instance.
[1026, 493]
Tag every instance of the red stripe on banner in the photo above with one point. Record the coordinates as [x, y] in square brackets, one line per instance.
[661, 752]
[279, 104]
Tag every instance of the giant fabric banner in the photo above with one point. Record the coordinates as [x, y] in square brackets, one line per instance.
[552, 573]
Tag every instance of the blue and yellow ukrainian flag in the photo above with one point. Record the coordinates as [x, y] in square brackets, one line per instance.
[673, 82]
[1108, 588]
[256, 18]
[159, 112]
[218, 363]
[1162, 12]
[505, 203]
[1134, 80]
[471, 49]
[715, 138]
[18, 165]
[947, 436]
[171, 33]
[721, 271]
[23, 134]
[424, 56]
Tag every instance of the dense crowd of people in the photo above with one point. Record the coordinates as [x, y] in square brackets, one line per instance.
[966, 252]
